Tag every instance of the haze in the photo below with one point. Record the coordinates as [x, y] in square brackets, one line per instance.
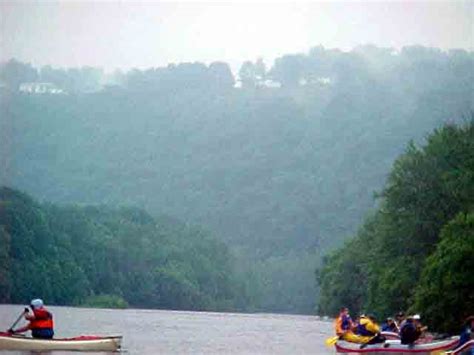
[124, 34]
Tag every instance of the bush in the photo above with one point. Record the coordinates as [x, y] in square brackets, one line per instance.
[105, 301]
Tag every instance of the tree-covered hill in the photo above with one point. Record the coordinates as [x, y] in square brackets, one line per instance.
[415, 252]
[72, 255]
[282, 173]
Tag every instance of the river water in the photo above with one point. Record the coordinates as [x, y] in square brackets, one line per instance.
[147, 332]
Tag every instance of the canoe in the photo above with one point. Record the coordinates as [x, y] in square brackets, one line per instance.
[80, 343]
[390, 335]
[394, 346]
[466, 348]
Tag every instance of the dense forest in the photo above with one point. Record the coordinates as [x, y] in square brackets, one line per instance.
[415, 252]
[280, 165]
[95, 255]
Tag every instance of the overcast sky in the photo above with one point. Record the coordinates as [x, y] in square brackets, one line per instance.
[144, 34]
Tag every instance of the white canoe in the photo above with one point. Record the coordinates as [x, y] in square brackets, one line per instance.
[82, 343]
[395, 347]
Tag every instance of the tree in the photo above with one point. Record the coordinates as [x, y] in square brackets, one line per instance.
[14, 73]
[260, 70]
[56, 76]
[5, 276]
[100, 255]
[445, 294]
[248, 75]
[221, 76]
[289, 70]
[427, 187]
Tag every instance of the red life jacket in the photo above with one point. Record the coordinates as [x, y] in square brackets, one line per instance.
[43, 319]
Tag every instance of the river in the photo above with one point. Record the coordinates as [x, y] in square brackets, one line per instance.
[148, 332]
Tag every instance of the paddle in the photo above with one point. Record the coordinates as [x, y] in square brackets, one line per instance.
[26, 310]
[331, 341]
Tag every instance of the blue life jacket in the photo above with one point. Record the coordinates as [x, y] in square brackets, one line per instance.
[465, 336]
[346, 322]
[389, 328]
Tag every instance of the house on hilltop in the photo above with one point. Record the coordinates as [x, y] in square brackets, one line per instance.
[40, 88]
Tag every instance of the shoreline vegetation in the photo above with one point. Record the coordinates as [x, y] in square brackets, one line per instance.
[241, 187]
[414, 253]
[82, 252]
[104, 301]
[97, 255]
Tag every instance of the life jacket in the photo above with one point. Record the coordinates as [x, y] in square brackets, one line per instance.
[367, 328]
[408, 333]
[343, 323]
[43, 319]
[389, 327]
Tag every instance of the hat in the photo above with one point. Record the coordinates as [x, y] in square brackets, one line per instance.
[416, 317]
[36, 303]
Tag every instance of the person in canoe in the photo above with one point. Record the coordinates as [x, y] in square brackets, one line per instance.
[40, 321]
[390, 326]
[346, 329]
[399, 319]
[369, 331]
[343, 325]
[467, 333]
[411, 330]
[420, 327]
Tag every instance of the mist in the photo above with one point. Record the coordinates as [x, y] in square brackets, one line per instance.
[125, 34]
[226, 157]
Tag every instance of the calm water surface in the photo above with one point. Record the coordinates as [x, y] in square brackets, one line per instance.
[149, 332]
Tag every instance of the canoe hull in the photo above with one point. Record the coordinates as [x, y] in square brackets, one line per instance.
[73, 344]
[395, 347]
[390, 335]
[466, 348]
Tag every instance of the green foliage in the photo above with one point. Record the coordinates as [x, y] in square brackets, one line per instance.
[344, 276]
[105, 301]
[103, 257]
[409, 238]
[445, 294]
[5, 265]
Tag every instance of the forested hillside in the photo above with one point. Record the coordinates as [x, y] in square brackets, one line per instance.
[415, 252]
[77, 255]
[281, 167]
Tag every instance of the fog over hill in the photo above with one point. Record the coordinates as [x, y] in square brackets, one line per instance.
[281, 174]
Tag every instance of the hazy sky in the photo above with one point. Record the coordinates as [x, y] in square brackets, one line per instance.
[125, 34]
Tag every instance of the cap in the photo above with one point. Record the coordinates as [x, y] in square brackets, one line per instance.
[36, 303]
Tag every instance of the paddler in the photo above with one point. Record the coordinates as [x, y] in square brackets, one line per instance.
[399, 318]
[467, 333]
[343, 324]
[40, 321]
[368, 330]
[411, 330]
[390, 326]
[345, 327]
